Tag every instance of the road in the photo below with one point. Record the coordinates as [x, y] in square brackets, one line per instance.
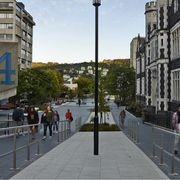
[6, 144]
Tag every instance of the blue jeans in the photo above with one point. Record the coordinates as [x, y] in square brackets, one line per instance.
[55, 125]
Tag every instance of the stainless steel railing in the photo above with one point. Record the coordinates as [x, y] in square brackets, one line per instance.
[64, 132]
[157, 136]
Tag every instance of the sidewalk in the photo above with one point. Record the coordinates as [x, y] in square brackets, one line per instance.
[73, 159]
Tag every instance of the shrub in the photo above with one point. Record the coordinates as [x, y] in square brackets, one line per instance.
[102, 127]
[135, 109]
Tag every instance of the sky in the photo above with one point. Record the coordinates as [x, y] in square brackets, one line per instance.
[64, 30]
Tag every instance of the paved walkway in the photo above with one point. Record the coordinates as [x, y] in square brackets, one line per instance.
[119, 159]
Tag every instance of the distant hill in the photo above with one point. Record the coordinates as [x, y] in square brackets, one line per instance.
[117, 61]
[75, 69]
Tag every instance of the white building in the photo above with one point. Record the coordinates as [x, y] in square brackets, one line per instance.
[69, 83]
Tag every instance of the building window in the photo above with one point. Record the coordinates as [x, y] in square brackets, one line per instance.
[18, 8]
[6, 36]
[23, 42]
[23, 23]
[6, 15]
[6, 4]
[176, 6]
[162, 42]
[6, 26]
[176, 85]
[23, 52]
[176, 43]
[18, 18]
[29, 36]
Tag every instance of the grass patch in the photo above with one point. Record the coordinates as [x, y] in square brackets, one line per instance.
[102, 127]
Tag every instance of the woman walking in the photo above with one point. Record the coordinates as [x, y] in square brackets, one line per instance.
[33, 118]
[47, 120]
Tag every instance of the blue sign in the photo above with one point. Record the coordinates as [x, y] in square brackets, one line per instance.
[7, 71]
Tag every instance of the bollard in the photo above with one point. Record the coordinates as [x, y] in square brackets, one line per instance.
[162, 151]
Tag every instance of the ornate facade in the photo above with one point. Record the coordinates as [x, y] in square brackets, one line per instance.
[161, 57]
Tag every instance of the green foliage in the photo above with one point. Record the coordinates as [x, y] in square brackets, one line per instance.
[38, 85]
[102, 127]
[85, 85]
[102, 102]
[135, 108]
[120, 81]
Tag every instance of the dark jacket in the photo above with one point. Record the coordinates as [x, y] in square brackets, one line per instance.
[33, 117]
[18, 115]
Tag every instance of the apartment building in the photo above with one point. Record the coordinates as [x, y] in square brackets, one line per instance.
[16, 25]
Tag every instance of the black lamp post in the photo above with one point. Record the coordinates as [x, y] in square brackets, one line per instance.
[96, 3]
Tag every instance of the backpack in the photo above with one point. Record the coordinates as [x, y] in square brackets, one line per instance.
[71, 118]
[18, 115]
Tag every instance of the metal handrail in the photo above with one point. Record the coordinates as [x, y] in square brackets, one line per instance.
[64, 132]
[133, 133]
[163, 129]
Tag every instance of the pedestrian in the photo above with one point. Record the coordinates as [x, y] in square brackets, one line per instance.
[176, 128]
[122, 117]
[69, 117]
[18, 117]
[47, 120]
[56, 121]
[79, 102]
[32, 119]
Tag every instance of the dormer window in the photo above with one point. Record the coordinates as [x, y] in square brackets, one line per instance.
[176, 6]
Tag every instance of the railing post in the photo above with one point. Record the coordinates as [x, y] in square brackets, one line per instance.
[14, 151]
[65, 130]
[138, 132]
[173, 173]
[39, 141]
[61, 131]
[28, 145]
[58, 134]
[153, 142]
[162, 151]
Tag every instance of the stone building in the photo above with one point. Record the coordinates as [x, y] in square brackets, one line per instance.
[133, 49]
[140, 71]
[161, 57]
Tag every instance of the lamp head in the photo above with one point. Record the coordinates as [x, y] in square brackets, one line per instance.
[96, 2]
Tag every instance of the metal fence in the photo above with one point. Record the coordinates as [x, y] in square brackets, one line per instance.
[64, 132]
[161, 142]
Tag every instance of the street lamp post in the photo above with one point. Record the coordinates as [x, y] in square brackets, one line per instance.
[96, 3]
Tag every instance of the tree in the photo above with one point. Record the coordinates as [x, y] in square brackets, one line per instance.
[85, 85]
[120, 81]
[37, 85]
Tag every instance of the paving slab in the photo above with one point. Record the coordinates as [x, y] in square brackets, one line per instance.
[118, 158]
